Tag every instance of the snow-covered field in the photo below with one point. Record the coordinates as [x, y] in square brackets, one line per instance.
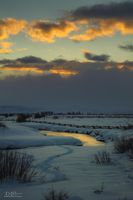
[16, 136]
[91, 121]
[85, 125]
[66, 160]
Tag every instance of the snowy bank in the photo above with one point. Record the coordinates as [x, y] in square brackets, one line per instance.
[17, 136]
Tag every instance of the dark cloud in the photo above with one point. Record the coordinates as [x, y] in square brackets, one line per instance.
[35, 66]
[65, 63]
[128, 47]
[96, 58]
[7, 61]
[115, 10]
[103, 20]
[59, 61]
[48, 31]
[24, 60]
[48, 26]
[31, 60]
[37, 61]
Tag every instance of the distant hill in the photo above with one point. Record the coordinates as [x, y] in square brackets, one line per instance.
[57, 109]
[18, 109]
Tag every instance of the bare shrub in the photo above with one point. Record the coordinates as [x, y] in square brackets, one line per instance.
[16, 166]
[123, 145]
[2, 125]
[21, 118]
[130, 153]
[124, 198]
[102, 157]
[54, 195]
[100, 189]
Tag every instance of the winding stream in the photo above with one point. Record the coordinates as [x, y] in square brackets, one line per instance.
[85, 139]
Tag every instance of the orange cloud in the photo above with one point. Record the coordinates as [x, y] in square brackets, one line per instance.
[22, 49]
[23, 69]
[119, 66]
[11, 26]
[104, 28]
[5, 47]
[47, 31]
[19, 71]
[6, 51]
[63, 72]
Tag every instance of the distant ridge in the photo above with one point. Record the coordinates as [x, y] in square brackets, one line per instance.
[18, 109]
[31, 109]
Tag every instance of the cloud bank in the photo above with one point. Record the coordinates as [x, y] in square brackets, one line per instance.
[34, 66]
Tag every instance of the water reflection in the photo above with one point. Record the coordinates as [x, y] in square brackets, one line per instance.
[85, 139]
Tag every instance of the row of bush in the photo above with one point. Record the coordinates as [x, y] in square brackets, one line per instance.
[2, 125]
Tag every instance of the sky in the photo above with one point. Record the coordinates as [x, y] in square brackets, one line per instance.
[67, 55]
